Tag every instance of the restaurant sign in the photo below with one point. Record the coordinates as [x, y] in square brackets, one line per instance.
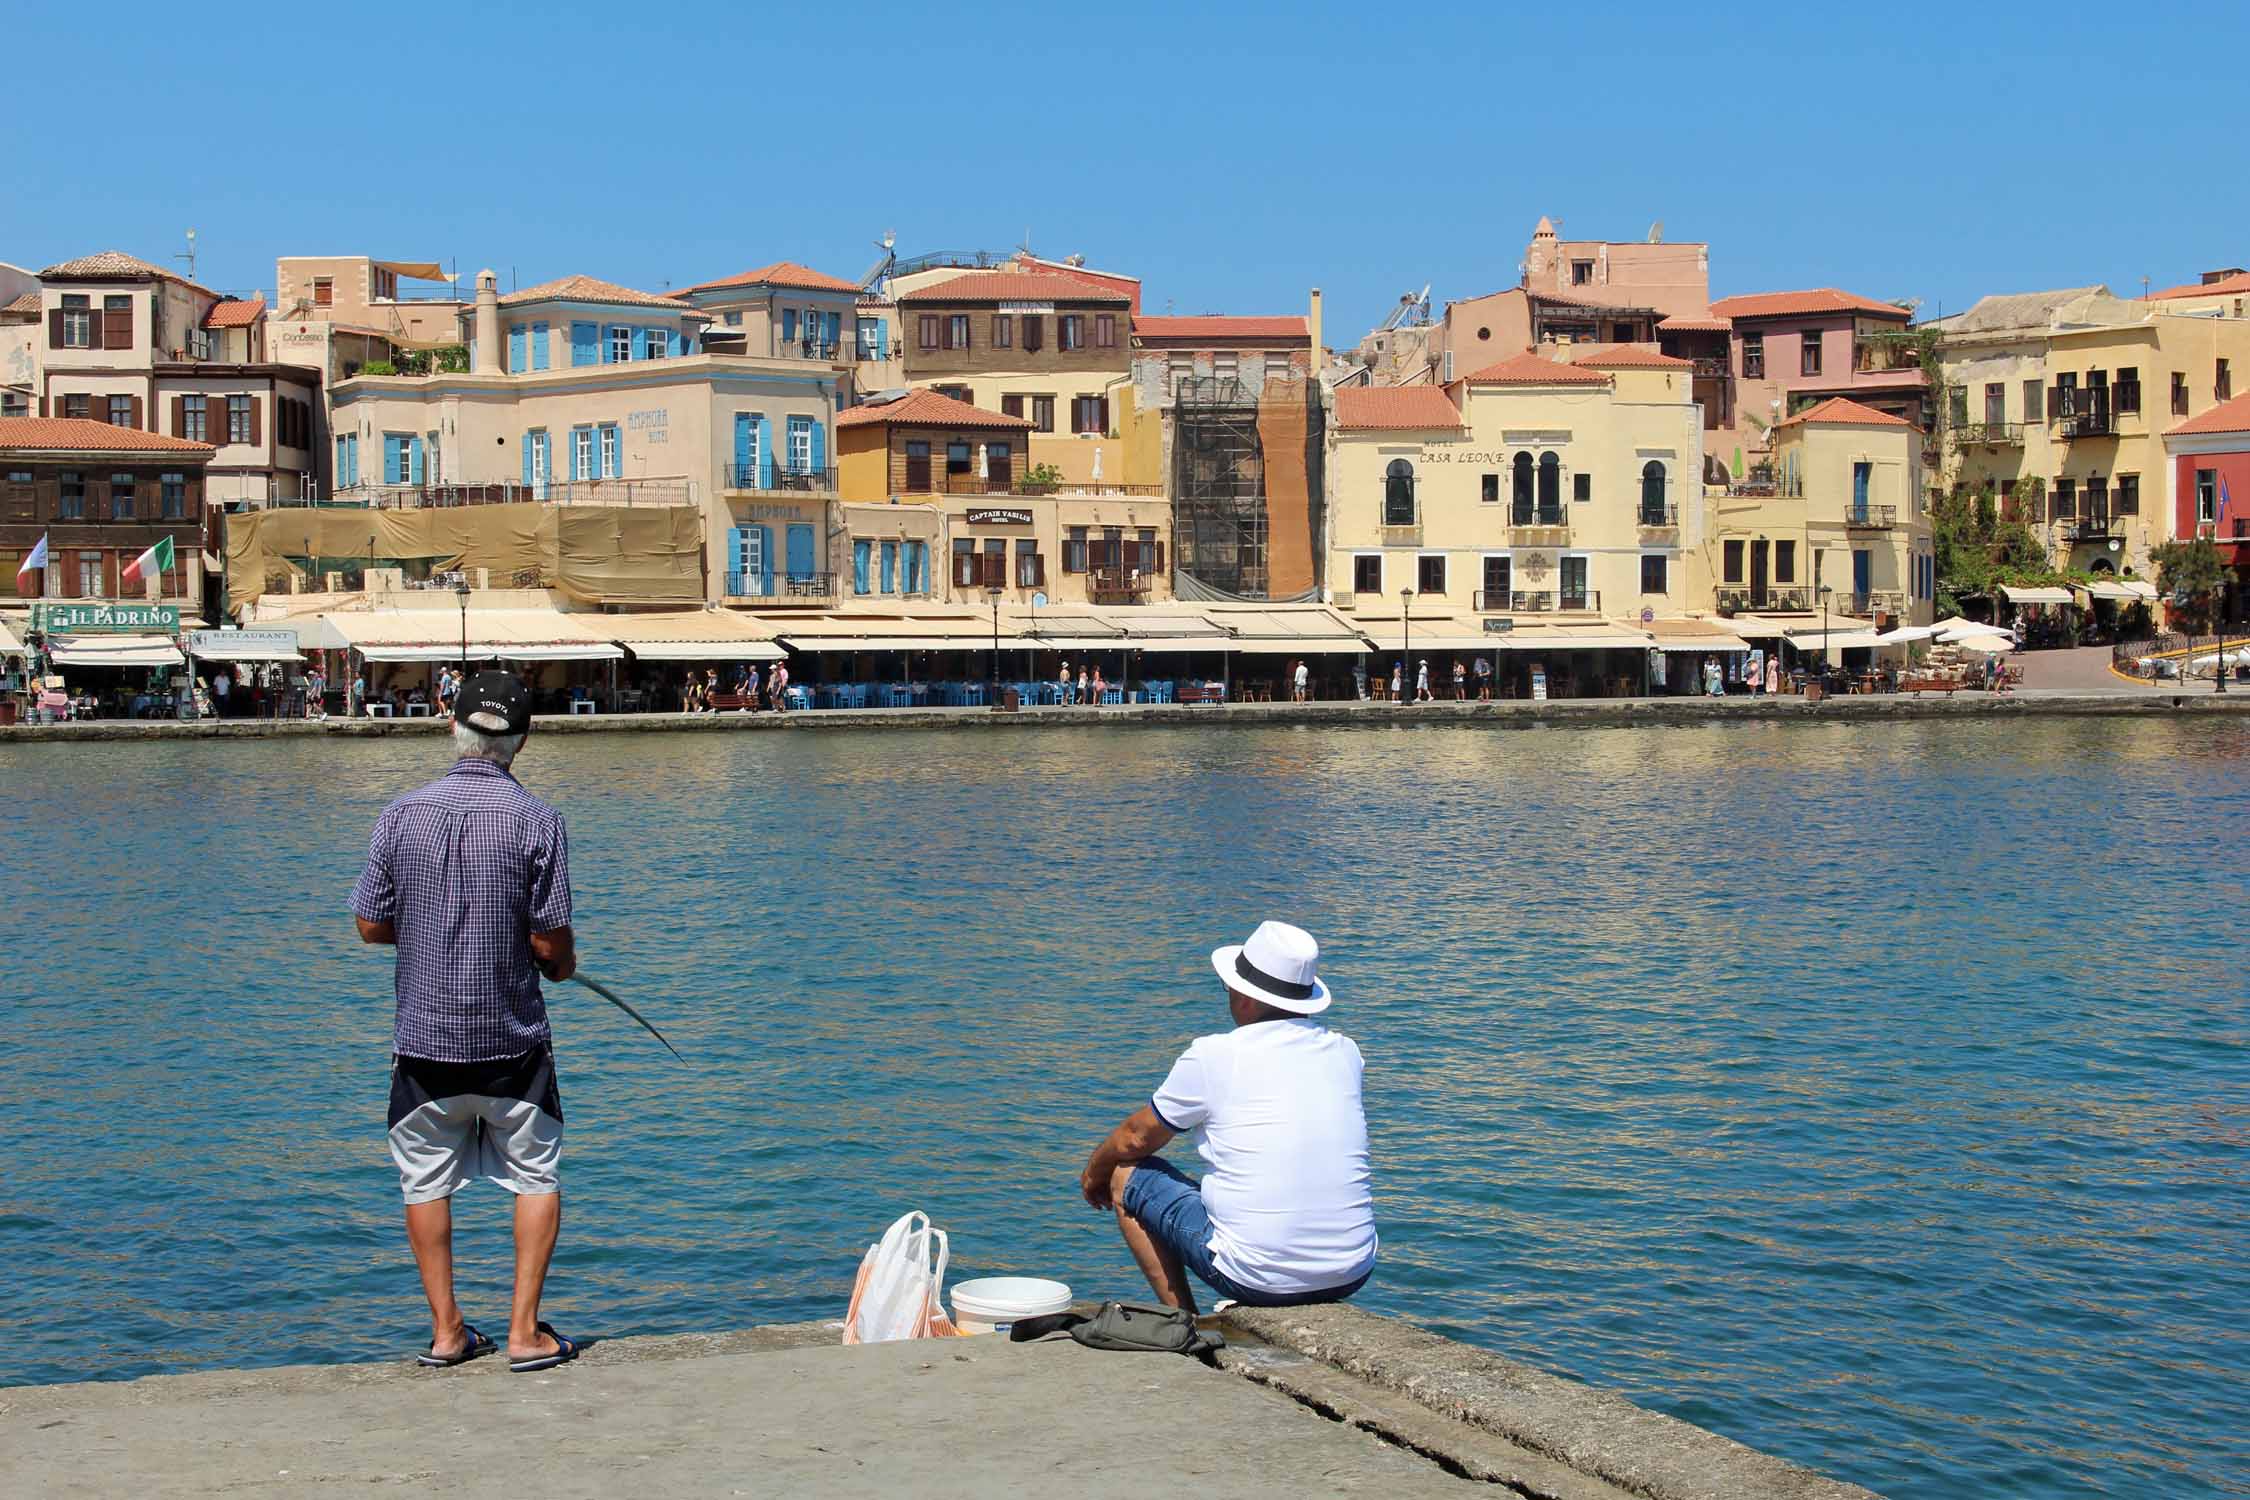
[140, 619]
[999, 518]
[1498, 627]
[236, 644]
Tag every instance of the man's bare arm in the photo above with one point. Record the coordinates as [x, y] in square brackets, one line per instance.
[1141, 1135]
[376, 932]
[556, 952]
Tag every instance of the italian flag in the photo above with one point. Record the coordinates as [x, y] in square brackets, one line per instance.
[150, 564]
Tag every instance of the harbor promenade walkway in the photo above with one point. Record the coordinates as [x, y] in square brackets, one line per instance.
[1322, 1402]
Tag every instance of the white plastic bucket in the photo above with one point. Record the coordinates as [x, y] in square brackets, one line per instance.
[994, 1304]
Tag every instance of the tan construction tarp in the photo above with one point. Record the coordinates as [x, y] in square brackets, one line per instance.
[595, 554]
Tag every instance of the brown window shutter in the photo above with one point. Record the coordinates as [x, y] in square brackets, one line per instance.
[139, 425]
[1011, 406]
[94, 320]
[117, 326]
[54, 329]
[1159, 557]
[1105, 415]
[179, 416]
[254, 438]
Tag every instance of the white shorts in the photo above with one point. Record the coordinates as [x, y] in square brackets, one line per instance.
[512, 1137]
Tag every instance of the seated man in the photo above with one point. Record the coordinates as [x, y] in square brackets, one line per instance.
[1283, 1217]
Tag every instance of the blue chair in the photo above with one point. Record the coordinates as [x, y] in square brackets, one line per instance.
[1113, 695]
[824, 696]
[972, 695]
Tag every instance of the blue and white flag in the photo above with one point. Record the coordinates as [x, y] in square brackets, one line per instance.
[34, 564]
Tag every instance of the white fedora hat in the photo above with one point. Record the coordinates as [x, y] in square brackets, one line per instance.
[1279, 965]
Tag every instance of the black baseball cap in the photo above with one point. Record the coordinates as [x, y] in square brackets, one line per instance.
[493, 703]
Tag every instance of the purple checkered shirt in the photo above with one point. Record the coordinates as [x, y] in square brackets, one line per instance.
[466, 869]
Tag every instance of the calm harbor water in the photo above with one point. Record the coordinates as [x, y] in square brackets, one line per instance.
[1872, 1094]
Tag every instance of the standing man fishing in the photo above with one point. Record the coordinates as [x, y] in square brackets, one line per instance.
[470, 878]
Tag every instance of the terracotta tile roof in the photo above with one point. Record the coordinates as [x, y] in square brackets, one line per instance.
[1528, 368]
[2227, 416]
[782, 273]
[235, 314]
[79, 435]
[1631, 357]
[590, 289]
[1844, 410]
[1014, 286]
[1219, 327]
[1821, 299]
[2226, 286]
[27, 303]
[1407, 408]
[107, 263]
[926, 408]
[1696, 325]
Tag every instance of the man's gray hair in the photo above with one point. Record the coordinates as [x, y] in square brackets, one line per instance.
[472, 743]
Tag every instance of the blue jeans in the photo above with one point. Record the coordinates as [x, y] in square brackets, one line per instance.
[1167, 1203]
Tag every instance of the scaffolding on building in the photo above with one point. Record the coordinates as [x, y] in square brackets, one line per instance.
[1219, 516]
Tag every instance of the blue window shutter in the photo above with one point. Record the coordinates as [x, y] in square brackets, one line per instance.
[414, 460]
[677, 341]
[890, 567]
[859, 566]
[393, 467]
[585, 341]
[527, 458]
[738, 547]
[789, 325]
[539, 346]
[765, 453]
[515, 348]
[765, 559]
[741, 449]
[882, 339]
[835, 328]
[819, 445]
[609, 346]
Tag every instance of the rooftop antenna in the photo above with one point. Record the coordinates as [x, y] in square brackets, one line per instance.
[2144, 288]
[189, 256]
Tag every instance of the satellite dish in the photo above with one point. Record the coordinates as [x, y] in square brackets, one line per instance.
[1038, 601]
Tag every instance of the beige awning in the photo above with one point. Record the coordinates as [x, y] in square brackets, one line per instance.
[2040, 595]
[116, 651]
[1834, 640]
[416, 270]
[1693, 635]
[687, 635]
[10, 643]
[1591, 639]
[2118, 588]
[1428, 633]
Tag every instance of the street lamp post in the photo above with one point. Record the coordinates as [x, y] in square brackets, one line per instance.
[461, 593]
[1825, 591]
[1406, 638]
[992, 592]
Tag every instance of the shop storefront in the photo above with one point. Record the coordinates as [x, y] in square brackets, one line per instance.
[105, 659]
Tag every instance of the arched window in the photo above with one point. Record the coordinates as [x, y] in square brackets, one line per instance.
[1522, 490]
[1652, 493]
[1398, 493]
[1550, 489]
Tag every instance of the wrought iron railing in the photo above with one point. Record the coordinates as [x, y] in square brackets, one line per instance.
[779, 479]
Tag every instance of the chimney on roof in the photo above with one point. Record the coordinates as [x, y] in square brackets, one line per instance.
[488, 323]
[2221, 274]
[1312, 326]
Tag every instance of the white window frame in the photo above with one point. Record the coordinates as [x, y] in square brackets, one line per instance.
[621, 344]
[749, 551]
[757, 442]
[582, 452]
[2207, 501]
[612, 451]
[800, 445]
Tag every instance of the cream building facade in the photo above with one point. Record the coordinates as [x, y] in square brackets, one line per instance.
[1844, 522]
[585, 392]
[1534, 495]
[2068, 393]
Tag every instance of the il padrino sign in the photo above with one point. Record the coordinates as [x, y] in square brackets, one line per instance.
[139, 619]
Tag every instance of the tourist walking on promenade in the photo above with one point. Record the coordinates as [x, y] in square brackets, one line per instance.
[1062, 686]
[220, 688]
[469, 878]
[1101, 688]
[777, 686]
[1304, 681]
[1422, 693]
[1398, 681]
[1460, 681]
[1284, 1216]
[1082, 684]
[750, 691]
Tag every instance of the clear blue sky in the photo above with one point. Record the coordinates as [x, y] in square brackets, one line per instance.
[1231, 156]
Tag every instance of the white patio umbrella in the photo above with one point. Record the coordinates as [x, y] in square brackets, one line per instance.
[1097, 462]
[1905, 634]
[1990, 645]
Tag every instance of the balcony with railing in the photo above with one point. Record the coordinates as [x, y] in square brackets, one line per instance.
[780, 586]
[511, 492]
[1864, 517]
[1867, 606]
[1735, 601]
[1538, 523]
[779, 479]
[1537, 601]
[1117, 586]
[2099, 526]
[1656, 517]
[2079, 413]
[1990, 434]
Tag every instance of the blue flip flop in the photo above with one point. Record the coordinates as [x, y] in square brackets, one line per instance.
[566, 1350]
[477, 1345]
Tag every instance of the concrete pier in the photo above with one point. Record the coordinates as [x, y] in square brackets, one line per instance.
[1517, 714]
[1312, 1402]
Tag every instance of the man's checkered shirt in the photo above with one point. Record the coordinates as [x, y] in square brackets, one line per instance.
[466, 869]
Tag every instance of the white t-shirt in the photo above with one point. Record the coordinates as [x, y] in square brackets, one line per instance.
[1286, 1142]
[1304, 675]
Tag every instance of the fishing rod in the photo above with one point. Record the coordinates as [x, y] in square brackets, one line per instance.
[612, 997]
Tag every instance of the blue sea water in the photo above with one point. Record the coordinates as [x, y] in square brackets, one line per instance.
[1873, 1094]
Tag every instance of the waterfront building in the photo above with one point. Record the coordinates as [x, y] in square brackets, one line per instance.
[2208, 462]
[1528, 509]
[929, 479]
[783, 311]
[101, 494]
[19, 344]
[1789, 351]
[130, 344]
[2066, 395]
[581, 391]
[1843, 528]
[1229, 411]
[1052, 348]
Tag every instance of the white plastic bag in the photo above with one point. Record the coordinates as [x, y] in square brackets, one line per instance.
[900, 1293]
